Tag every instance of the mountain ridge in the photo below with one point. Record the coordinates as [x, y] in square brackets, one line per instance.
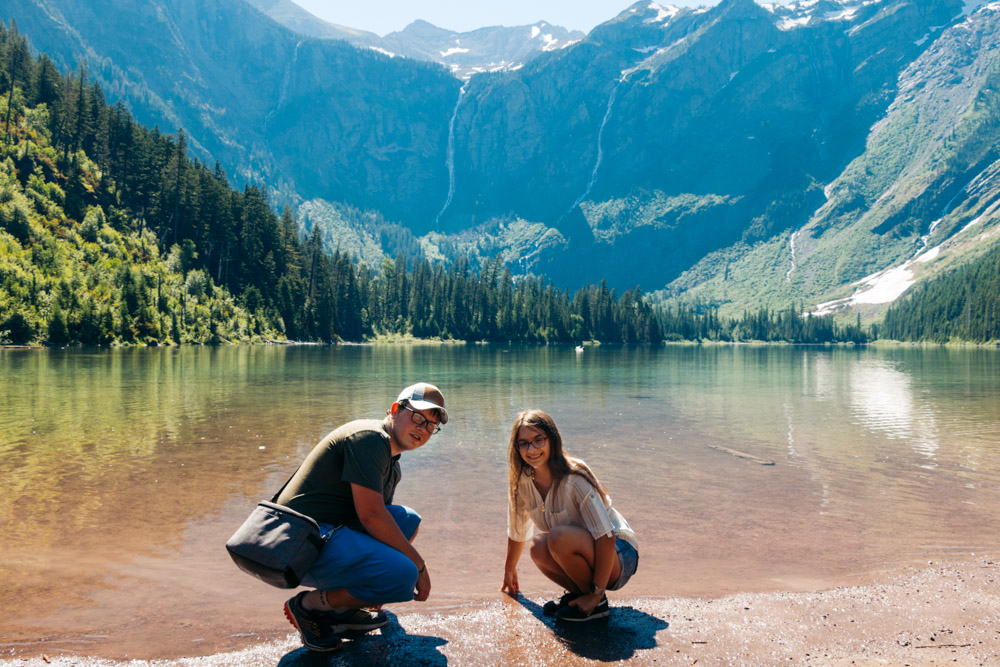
[486, 49]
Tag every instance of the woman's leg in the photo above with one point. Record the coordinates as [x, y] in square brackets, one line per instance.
[568, 558]
[539, 550]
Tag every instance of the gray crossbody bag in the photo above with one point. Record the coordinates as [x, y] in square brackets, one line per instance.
[276, 544]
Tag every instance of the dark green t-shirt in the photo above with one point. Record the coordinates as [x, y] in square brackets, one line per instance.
[357, 452]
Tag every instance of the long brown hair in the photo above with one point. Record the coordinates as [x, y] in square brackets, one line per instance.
[560, 463]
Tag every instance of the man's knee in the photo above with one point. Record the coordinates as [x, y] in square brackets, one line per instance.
[406, 518]
[395, 584]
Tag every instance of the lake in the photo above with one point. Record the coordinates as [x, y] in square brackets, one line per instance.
[124, 471]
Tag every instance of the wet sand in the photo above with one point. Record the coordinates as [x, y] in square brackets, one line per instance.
[932, 615]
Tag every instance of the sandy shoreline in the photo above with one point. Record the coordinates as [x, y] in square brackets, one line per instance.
[938, 614]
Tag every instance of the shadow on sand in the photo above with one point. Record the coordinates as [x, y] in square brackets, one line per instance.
[610, 639]
[392, 647]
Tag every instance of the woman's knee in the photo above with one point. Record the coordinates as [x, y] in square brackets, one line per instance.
[566, 539]
[538, 548]
[559, 538]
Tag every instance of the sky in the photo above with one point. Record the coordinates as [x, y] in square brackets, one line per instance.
[385, 16]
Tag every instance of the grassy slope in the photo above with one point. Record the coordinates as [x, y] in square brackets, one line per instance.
[929, 160]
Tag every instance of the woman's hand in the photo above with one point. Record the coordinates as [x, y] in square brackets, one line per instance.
[510, 585]
[587, 602]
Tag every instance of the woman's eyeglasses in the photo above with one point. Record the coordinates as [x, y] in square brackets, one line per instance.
[536, 443]
[422, 422]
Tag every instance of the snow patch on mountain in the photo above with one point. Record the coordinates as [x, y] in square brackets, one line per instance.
[663, 13]
[800, 14]
[887, 285]
[792, 23]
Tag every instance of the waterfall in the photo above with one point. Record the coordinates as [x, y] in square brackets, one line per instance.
[283, 93]
[791, 245]
[600, 146]
[450, 156]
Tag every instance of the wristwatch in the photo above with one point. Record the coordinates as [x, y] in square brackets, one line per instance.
[595, 589]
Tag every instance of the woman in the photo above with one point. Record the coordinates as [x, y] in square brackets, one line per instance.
[583, 544]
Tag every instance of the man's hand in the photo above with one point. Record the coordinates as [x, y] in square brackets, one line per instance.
[423, 585]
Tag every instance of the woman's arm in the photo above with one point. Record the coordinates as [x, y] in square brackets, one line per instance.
[510, 586]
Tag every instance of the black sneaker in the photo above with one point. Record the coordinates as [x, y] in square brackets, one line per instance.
[359, 620]
[313, 626]
[552, 607]
[574, 614]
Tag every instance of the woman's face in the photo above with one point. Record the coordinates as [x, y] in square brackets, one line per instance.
[533, 446]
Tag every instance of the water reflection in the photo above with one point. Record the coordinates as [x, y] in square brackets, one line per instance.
[883, 399]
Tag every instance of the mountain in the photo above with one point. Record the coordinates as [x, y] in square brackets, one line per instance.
[298, 20]
[488, 49]
[491, 49]
[919, 200]
[737, 155]
[676, 134]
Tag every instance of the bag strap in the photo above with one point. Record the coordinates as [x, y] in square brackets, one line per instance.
[274, 498]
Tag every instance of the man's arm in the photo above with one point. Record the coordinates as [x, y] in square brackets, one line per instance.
[378, 523]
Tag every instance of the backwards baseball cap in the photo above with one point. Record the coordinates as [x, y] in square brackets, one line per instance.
[423, 396]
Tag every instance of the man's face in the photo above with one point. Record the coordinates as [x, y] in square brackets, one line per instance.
[407, 433]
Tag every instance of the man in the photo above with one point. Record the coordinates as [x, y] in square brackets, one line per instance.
[346, 484]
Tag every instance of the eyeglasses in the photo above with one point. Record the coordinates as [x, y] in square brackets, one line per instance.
[423, 422]
[537, 443]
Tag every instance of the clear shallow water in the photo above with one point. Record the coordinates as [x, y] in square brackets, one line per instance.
[123, 472]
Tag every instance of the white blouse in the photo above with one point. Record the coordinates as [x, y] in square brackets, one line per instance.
[573, 502]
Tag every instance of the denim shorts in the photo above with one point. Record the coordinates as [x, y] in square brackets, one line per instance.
[629, 558]
[370, 570]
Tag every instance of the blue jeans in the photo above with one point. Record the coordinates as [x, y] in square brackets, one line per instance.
[370, 570]
[629, 559]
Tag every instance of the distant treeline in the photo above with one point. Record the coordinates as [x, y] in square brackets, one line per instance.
[962, 305]
[698, 322]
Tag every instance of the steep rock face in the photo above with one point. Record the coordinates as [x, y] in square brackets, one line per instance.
[928, 167]
[735, 103]
[922, 197]
[530, 136]
[307, 117]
